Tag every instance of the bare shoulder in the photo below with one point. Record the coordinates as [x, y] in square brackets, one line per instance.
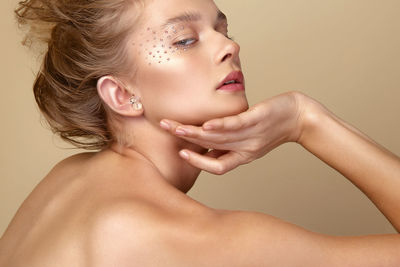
[263, 240]
[73, 162]
[143, 233]
[229, 238]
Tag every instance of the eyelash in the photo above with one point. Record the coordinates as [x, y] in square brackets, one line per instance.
[184, 41]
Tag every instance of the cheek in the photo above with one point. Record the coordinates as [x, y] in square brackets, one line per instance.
[154, 48]
[173, 90]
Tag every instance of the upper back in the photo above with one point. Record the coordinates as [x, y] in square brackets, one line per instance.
[44, 224]
[64, 218]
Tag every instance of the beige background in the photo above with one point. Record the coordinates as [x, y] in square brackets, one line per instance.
[344, 53]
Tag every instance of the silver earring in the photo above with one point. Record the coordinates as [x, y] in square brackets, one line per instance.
[135, 102]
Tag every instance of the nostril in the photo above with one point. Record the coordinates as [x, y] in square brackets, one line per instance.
[226, 56]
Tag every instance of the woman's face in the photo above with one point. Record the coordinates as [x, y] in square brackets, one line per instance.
[182, 54]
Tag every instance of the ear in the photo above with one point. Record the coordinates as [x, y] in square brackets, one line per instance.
[116, 96]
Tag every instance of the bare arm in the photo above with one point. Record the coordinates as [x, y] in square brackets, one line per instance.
[372, 168]
[268, 241]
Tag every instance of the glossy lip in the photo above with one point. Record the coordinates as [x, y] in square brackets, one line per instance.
[237, 76]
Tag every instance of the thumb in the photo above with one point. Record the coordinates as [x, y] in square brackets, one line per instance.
[220, 165]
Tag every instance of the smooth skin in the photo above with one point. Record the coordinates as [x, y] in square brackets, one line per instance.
[294, 117]
[96, 209]
[126, 206]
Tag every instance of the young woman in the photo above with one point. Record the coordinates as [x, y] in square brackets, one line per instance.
[156, 86]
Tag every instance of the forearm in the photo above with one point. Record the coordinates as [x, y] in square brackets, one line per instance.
[370, 167]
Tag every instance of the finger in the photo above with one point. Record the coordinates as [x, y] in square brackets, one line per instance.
[215, 153]
[169, 125]
[198, 138]
[232, 123]
[220, 165]
[197, 135]
[180, 129]
[210, 144]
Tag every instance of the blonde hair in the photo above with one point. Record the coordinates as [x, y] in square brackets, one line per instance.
[85, 40]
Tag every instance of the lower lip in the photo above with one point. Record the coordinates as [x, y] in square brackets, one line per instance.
[232, 87]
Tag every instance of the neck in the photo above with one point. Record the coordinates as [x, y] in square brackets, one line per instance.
[159, 148]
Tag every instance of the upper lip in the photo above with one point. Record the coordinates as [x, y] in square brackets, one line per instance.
[236, 76]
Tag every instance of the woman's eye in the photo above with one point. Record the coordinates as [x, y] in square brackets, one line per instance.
[185, 42]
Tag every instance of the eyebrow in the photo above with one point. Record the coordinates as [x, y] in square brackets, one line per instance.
[191, 16]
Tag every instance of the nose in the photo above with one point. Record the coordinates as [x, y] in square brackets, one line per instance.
[230, 50]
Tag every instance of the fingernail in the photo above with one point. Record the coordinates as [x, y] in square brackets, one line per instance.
[180, 131]
[184, 154]
[164, 125]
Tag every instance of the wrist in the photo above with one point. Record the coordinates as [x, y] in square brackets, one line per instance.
[312, 116]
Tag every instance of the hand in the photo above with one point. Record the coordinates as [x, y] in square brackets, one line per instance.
[242, 138]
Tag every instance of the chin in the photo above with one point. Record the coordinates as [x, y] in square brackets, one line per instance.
[231, 109]
[199, 117]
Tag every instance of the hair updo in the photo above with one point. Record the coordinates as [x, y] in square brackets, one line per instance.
[84, 40]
